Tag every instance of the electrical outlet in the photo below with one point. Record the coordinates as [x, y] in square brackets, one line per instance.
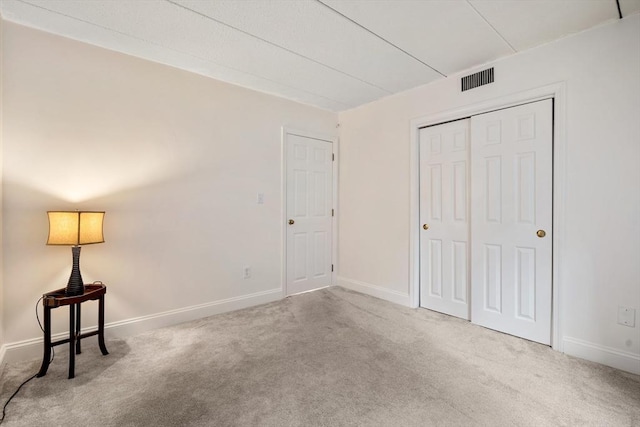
[246, 272]
[627, 316]
[261, 198]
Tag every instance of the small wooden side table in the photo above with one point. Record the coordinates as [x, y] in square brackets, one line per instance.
[57, 299]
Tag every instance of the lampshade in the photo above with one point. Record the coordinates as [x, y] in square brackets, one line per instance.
[75, 227]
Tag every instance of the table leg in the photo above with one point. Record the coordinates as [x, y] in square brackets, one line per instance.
[72, 340]
[46, 358]
[78, 320]
[103, 348]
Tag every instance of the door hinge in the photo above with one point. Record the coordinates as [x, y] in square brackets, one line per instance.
[333, 157]
[333, 213]
[331, 267]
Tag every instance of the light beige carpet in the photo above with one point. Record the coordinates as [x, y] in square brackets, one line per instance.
[326, 358]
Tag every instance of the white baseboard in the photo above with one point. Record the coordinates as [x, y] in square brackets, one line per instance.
[3, 351]
[615, 358]
[33, 348]
[375, 291]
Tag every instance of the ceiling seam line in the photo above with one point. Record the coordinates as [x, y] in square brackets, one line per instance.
[388, 92]
[381, 38]
[182, 53]
[492, 27]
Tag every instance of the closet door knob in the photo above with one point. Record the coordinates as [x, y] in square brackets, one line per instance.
[291, 222]
[541, 233]
[425, 226]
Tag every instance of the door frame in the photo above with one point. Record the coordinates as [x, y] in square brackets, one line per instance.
[557, 91]
[286, 131]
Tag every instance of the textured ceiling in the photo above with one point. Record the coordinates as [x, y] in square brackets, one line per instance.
[334, 54]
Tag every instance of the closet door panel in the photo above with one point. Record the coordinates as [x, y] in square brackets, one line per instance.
[444, 215]
[511, 225]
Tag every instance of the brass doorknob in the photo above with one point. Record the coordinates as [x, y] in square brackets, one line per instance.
[541, 233]
[291, 222]
[425, 226]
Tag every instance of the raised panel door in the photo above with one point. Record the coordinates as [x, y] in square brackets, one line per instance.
[309, 185]
[444, 218]
[511, 162]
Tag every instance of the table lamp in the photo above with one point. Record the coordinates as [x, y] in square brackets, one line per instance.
[75, 228]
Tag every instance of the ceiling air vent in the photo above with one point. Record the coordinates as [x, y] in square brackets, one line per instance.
[477, 79]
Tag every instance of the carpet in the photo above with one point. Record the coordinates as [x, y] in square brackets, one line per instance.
[327, 358]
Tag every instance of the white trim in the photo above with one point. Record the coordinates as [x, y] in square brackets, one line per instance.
[375, 291]
[335, 145]
[32, 348]
[308, 134]
[3, 352]
[414, 213]
[557, 91]
[615, 358]
[334, 223]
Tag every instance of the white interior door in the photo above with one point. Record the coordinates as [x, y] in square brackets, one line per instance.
[309, 193]
[511, 163]
[444, 218]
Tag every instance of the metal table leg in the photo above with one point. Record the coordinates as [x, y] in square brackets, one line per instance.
[78, 321]
[46, 358]
[72, 340]
[103, 348]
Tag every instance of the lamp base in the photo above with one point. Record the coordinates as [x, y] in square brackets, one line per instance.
[75, 285]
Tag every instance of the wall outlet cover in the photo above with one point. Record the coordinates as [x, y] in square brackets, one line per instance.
[627, 316]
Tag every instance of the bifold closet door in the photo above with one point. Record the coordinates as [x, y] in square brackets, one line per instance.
[511, 234]
[444, 218]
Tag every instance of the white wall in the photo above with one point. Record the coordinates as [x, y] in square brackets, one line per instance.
[601, 233]
[176, 161]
